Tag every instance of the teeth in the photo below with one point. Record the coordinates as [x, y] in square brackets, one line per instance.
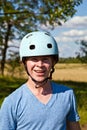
[39, 71]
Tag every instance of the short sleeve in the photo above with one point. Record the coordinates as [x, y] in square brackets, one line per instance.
[7, 120]
[73, 113]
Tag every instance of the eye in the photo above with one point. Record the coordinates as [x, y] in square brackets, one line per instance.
[31, 47]
[34, 59]
[46, 59]
[49, 45]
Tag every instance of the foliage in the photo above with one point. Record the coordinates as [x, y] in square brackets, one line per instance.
[19, 17]
[77, 59]
[82, 56]
[70, 60]
[13, 63]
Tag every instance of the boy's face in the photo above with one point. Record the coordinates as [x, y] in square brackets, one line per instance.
[39, 67]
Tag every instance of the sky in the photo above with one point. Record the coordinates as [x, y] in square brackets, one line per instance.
[71, 31]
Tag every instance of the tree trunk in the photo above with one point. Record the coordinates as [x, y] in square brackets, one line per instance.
[3, 60]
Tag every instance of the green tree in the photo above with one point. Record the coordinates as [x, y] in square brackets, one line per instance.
[17, 17]
[82, 55]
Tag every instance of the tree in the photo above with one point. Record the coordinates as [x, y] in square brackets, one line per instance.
[17, 17]
[82, 55]
[13, 63]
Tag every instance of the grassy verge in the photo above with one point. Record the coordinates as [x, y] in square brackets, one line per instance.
[8, 85]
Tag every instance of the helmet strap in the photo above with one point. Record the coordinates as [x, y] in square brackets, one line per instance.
[39, 83]
[52, 70]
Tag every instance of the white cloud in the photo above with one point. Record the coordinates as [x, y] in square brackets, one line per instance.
[66, 35]
[61, 39]
[85, 38]
[73, 30]
[77, 21]
[75, 33]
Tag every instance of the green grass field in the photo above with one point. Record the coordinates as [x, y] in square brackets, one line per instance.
[8, 85]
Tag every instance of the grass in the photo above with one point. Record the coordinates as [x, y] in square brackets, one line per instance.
[72, 72]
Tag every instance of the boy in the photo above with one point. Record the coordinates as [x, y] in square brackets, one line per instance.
[39, 104]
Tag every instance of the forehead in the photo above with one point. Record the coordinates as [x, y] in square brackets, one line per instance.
[41, 57]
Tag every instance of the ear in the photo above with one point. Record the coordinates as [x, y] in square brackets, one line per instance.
[55, 59]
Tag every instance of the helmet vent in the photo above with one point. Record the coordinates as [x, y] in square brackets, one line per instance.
[32, 47]
[46, 33]
[29, 35]
[49, 45]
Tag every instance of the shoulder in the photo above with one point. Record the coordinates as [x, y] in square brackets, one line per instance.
[18, 91]
[62, 90]
[15, 96]
[60, 87]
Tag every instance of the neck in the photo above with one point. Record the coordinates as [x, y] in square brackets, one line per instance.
[39, 89]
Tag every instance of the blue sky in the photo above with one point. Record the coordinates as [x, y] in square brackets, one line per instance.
[74, 29]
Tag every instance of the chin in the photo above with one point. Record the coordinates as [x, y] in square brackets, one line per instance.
[40, 79]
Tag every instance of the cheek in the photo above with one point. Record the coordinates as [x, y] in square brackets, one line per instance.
[49, 66]
[29, 65]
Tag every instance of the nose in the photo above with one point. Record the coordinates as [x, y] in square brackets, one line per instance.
[40, 63]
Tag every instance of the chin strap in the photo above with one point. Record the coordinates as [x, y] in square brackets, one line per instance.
[40, 83]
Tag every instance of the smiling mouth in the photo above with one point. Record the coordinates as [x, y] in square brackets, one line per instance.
[40, 72]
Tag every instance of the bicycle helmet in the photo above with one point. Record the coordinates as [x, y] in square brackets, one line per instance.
[38, 43]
